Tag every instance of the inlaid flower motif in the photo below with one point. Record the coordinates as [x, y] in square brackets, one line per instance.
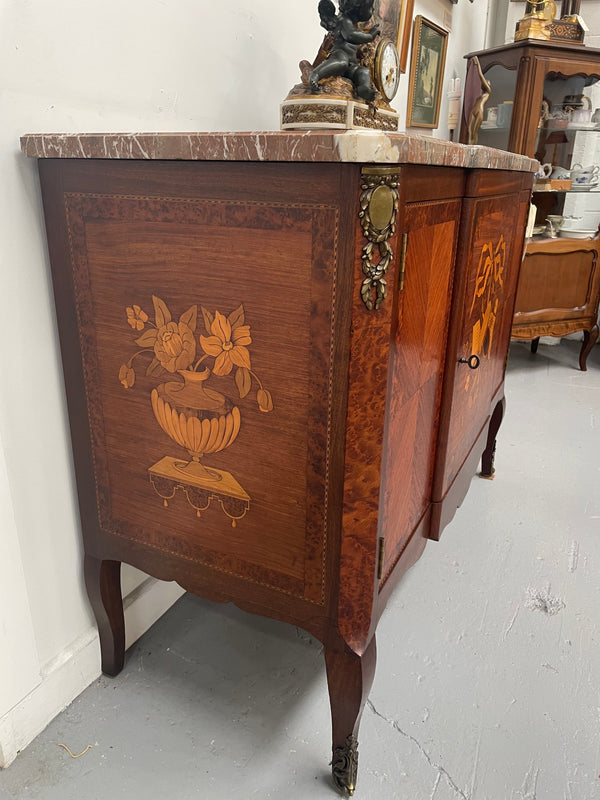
[175, 346]
[127, 376]
[136, 318]
[264, 400]
[200, 419]
[172, 347]
[228, 343]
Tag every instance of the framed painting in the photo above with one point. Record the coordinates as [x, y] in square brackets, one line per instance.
[396, 23]
[426, 74]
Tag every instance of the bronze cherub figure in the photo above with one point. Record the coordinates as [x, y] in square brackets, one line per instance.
[347, 37]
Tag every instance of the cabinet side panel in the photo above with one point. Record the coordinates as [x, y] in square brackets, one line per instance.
[206, 328]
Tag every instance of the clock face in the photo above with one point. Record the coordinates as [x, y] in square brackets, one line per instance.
[387, 69]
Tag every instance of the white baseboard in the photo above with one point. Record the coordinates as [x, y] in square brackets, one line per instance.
[74, 669]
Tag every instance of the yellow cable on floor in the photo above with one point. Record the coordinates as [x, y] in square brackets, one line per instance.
[89, 747]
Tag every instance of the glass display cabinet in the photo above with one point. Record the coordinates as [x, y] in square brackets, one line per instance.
[545, 102]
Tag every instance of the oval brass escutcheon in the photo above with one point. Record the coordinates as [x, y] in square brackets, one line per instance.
[381, 207]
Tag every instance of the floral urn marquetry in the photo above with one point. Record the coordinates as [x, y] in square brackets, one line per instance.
[201, 420]
[193, 414]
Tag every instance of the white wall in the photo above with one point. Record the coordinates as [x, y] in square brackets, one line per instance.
[110, 66]
[468, 24]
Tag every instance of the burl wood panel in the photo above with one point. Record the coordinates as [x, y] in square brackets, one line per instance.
[490, 256]
[367, 387]
[417, 356]
[166, 287]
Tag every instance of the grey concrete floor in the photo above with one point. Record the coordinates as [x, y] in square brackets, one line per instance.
[488, 676]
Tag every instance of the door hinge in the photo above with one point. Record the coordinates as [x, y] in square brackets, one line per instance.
[380, 557]
[402, 266]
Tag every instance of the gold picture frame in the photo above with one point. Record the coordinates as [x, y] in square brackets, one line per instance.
[426, 74]
[406, 17]
[396, 24]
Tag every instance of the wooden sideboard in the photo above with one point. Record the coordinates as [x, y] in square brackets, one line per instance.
[560, 293]
[284, 358]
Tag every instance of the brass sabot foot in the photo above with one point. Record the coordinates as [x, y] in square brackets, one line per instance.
[344, 767]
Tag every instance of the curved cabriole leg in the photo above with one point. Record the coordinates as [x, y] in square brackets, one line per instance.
[349, 678]
[487, 459]
[103, 584]
[589, 340]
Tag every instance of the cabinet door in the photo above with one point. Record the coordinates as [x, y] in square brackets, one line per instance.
[489, 256]
[417, 350]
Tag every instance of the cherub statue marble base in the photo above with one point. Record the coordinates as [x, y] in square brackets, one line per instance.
[337, 89]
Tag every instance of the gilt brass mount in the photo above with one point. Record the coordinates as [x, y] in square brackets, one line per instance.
[344, 767]
[378, 211]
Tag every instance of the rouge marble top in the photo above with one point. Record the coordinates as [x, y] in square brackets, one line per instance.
[341, 146]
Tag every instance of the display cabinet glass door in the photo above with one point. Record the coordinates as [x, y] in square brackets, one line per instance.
[495, 128]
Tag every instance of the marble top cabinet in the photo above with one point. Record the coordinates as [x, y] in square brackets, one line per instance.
[284, 359]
